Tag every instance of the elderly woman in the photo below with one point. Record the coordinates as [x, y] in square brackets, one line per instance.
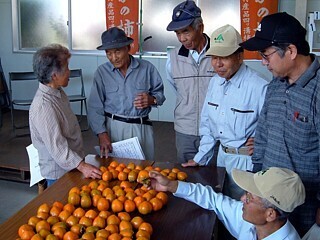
[55, 131]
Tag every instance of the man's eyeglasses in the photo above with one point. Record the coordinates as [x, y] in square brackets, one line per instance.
[266, 56]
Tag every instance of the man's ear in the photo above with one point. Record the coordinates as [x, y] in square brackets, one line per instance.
[293, 51]
[271, 214]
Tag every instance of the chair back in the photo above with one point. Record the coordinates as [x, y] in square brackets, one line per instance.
[22, 86]
[75, 88]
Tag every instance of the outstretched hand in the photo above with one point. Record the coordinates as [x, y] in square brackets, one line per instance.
[190, 163]
[89, 171]
[162, 183]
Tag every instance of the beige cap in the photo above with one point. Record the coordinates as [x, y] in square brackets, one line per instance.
[224, 41]
[280, 186]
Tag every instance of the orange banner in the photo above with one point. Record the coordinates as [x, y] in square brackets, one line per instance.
[251, 14]
[124, 14]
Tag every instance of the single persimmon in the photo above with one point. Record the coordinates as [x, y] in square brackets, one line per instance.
[43, 224]
[58, 204]
[85, 201]
[79, 212]
[69, 207]
[104, 214]
[59, 224]
[103, 204]
[124, 216]
[107, 191]
[99, 222]
[32, 221]
[143, 177]
[163, 197]
[52, 220]
[175, 170]
[114, 164]
[116, 206]
[132, 175]
[125, 184]
[115, 236]
[91, 214]
[63, 215]
[129, 205]
[23, 228]
[88, 236]
[156, 204]
[138, 200]
[59, 232]
[112, 228]
[145, 207]
[70, 236]
[78, 229]
[75, 190]
[86, 221]
[142, 234]
[72, 220]
[113, 219]
[93, 184]
[131, 195]
[107, 176]
[102, 233]
[54, 211]
[44, 208]
[136, 221]
[74, 198]
[146, 227]
[182, 176]
[131, 166]
[125, 225]
[95, 199]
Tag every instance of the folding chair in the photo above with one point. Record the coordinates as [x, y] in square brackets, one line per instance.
[22, 88]
[74, 96]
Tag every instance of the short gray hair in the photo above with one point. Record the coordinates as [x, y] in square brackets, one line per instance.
[48, 60]
[281, 214]
[196, 23]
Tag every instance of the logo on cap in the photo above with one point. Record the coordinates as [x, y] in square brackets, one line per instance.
[178, 13]
[219, 39]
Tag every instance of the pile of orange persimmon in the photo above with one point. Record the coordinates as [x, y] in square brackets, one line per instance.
[103, 209]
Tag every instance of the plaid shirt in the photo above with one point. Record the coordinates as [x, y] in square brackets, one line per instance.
[55, 132]
[288, 132]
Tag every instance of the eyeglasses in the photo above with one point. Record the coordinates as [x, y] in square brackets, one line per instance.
[266, 56]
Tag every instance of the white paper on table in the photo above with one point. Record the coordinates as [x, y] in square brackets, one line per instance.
[129, 148]
[35, 174]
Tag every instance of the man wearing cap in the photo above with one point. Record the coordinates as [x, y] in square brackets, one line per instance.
[189, 72]
[263, 210]
[288, 130]
[123, 92]
[231, 109]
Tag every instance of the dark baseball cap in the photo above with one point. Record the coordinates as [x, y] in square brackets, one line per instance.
[274, 29]
[183, 15]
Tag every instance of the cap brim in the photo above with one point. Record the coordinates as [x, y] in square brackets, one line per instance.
[256, 44]
[221, 51]
[115, 45]
[173, 26]
[245, 181]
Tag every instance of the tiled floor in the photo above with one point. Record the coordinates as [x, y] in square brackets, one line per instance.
[14, 195]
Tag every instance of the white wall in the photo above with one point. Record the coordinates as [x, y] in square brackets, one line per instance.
[23, 61]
